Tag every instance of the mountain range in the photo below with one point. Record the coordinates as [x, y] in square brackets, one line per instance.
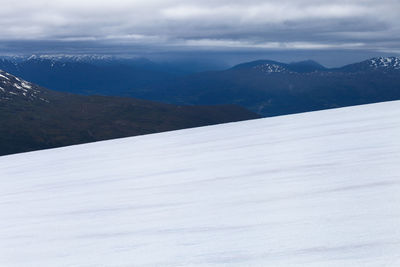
[266, 87]
[273, 88]
[33, 117]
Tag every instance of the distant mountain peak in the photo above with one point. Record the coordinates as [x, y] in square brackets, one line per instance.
[269, 66]
[68, 57]
[12, 87]
[265, 66]
[385, 62]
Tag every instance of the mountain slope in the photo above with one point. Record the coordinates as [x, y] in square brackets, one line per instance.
[314, 189]
[35, 118]
[382, 64]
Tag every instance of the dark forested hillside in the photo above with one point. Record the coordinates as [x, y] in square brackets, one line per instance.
[34, 118]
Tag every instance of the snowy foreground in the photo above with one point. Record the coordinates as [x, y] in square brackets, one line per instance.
[314, 189]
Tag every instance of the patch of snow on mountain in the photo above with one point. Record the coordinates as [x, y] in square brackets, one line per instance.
[69, 58]
[26, 85]
[313, 189]
[270, 68]
[17, 86]
[5, 77]
[385, 62]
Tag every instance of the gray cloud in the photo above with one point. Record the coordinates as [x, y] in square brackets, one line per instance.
[188, 24]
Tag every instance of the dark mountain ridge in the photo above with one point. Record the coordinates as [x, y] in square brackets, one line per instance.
[270, 66]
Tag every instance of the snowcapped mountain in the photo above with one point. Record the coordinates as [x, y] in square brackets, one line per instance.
[59, 57]
[272, 88]
[309, 66]
[375, 64]
[12, 87]
[313, 189]
[385, 62]
[66, 57]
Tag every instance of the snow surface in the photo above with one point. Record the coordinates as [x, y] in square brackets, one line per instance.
[313, 189]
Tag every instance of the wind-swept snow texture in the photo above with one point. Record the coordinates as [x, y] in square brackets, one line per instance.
[313, 189]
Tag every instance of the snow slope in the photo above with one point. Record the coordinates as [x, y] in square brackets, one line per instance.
[313, 189]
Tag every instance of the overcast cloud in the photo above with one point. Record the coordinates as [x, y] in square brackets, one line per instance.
[186, 24]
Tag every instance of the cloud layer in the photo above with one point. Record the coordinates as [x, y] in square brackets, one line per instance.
[185, 24]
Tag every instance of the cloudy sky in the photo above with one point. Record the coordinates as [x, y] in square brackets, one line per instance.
[160, 26]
